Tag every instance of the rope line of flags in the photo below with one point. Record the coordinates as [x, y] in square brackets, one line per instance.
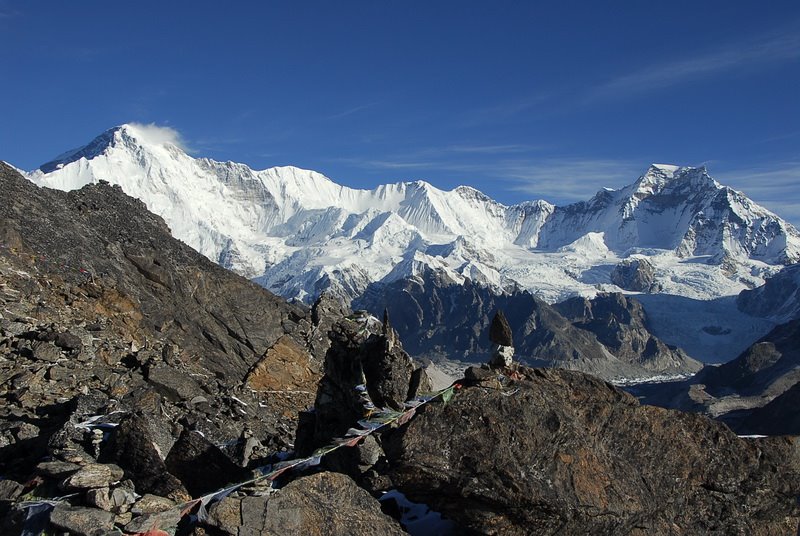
[374, 421]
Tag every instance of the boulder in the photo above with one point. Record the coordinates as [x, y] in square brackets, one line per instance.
[152, 504]
[10, 490]
[173, 384]
[563, 452]
[81, 521]
[322, 504]
[117, 500]
[131, 446]
[200, 465]
[165, 520]
[93, 475]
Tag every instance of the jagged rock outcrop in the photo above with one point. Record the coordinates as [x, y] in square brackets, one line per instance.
[500, 331]
[561, 452]
[439, 318]
[620, 324]
[365, 367]
[638, 275]
[325, 312]
[778, 298]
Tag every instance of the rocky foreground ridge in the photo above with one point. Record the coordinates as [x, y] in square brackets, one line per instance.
[137, 376]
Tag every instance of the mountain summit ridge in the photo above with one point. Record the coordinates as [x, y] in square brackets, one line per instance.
[298, 232]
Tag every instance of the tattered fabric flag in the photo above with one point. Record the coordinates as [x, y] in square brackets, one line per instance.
[370, 425]
[309, 462]
[358, 432]
[322, 451]
[405, 417]
[348, 441]
[385, 416]
[37, 518]
[447, 394]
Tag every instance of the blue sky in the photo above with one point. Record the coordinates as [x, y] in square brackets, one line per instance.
[517, 99]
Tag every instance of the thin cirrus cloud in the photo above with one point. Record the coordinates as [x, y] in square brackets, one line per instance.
[775, 48]
[352, 111]
[449, 158]
[773, 186]
[567, 180]
[559, 181]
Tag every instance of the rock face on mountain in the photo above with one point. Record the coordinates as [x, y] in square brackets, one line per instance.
[767, 368]
[620, 324]
[779, 417]
[438, 317]
[778, 298]
[638, 275]
[560, 452]
[98, 295]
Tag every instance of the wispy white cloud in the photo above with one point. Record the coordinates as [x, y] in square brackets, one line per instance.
[775, 48]
[7, 12]
[490, 149]
[159, 135]
[774, 186]
[351, 111]
[569, 179]
[562, 180]
[388, 163]
[503, 112]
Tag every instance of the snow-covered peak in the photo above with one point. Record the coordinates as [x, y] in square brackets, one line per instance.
[135, 137]
[297, 231]
[667, 169]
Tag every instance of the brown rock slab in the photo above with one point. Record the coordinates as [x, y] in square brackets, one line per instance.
[285, 366]
[93, 475]
[321, 504]
[151, 504]
[157, 521]
[81, 521]
[9, 490]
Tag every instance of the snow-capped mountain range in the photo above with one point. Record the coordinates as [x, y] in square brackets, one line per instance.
[297, 232]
